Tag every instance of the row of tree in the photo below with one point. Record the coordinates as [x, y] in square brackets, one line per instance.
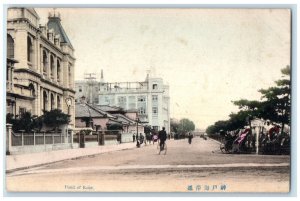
[29, 123]
[275, 105]
[183, 126]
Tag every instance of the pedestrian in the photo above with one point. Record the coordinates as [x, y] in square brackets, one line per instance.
[162, 136]
[133, 137]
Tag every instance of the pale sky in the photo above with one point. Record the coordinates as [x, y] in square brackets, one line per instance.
[209, 57]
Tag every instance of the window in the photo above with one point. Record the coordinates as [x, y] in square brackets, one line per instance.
[10, 46]
[32, 90]
[58, 102]
[52, 103]
[154, 86]
[154, 98]
[58, 70]
[29, 49]
[22, 111]
[45, 61]
[52, 65]
[131, 102]
[96, 100]
[154, 110]
[142, 110]
[141, 98]
[122, 102]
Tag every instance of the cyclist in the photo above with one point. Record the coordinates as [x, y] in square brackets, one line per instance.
[162, 136]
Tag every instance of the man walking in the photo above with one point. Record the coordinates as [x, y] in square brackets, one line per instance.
[162, 136]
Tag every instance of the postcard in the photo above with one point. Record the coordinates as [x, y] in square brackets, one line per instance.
[194, 100]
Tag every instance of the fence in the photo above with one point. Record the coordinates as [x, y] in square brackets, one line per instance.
[35, 138]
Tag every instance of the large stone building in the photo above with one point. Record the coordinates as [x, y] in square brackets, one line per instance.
[40, 64]
[149, 97]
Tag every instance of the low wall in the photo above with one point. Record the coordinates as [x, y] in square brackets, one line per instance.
[38, 148]
[126, 137]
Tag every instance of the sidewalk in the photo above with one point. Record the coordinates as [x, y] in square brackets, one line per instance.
[23, 161]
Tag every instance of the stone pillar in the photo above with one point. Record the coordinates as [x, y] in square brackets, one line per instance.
[55, 69]
[8, 138]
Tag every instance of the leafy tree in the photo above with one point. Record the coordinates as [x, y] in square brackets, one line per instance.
[186, 125]
[275, 106]
[55, 118]
[278, 99]
[25, 122]
[174, 126]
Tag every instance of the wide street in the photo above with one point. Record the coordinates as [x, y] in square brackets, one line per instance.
[199, 167]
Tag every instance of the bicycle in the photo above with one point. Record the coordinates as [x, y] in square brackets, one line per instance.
[162, 149]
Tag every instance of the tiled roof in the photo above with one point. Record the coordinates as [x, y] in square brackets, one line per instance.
[85, 110]
[108, 108]
[125, 120]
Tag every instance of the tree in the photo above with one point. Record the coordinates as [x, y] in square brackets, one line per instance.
[55, 118]
[278, 99]
[275, 106]
[174, 126]
[186, 125]
[25, 122]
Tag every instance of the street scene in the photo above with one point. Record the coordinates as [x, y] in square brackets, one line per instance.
[148, 100]
[196, 167]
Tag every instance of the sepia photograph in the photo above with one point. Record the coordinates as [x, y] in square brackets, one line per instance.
[112, 99]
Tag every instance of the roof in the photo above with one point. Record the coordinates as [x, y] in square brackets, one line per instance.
[111, 121]
[54, 23]
[85, 110]
[108, 108]
[125, 120]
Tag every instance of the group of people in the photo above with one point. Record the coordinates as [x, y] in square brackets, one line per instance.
[153, 137]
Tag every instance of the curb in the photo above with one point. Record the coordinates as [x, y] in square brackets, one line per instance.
[71, 158]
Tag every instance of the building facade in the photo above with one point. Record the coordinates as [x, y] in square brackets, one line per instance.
[40, 65]
[150, 98]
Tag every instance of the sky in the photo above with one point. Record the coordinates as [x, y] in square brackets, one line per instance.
[208, 57]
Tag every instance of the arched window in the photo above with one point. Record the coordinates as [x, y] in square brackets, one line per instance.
[45, 61]
[52, 101]
[29, 49]
[52, 65]
[45, 100]
[154, 86]
[10, 47]
[58, 103]
[58, 70]
[32, 90]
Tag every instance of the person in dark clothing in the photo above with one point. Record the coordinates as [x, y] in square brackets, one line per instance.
[162, 136]
[133, 137]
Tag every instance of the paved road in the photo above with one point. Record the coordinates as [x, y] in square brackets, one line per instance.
[199, 167]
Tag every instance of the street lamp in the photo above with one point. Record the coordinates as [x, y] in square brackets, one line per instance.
[69, 103]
